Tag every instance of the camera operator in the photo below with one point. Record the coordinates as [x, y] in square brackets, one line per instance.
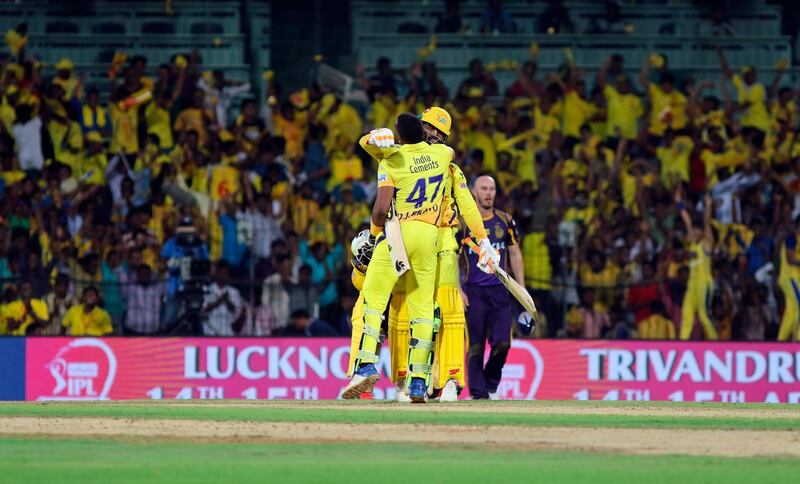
[184, 287]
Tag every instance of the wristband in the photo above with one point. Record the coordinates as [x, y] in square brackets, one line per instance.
[681, 206]
[374, 229]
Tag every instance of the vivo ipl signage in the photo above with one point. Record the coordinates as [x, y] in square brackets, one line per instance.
[295, 368]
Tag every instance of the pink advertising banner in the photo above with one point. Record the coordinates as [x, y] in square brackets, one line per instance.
[209, 368]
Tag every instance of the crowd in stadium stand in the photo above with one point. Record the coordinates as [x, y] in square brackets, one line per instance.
[595, 170]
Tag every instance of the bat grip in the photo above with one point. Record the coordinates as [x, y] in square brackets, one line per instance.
[472, 245]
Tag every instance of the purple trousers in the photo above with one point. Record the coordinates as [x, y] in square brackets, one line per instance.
[489, 316]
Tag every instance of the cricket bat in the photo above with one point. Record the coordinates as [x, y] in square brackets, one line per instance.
[516, 290]
[394, 240]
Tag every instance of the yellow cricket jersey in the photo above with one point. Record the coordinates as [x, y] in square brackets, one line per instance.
[293, 131]
[124, 129]
[576, 112]
[624, 111]
[667, 110]
[459, 201]
[344, 166]
[158, 122]
[192, 119]
[7, 116]
[16, 310]
[656, 326]
[755, 115]
[93, 167]
[303, 212]
[536, 255]
[479, 140]
[675, 159]
[787, 270]
[700, 264]
[78, 322]
[417, 172]
[783, 113]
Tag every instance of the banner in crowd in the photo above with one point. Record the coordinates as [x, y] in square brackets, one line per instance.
[208, 368]
[12, 369]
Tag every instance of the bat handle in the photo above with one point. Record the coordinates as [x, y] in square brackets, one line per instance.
[472, 245]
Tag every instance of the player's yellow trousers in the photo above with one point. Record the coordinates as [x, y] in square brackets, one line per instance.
[451, 341]
[790, 329]
[697, 301]
[420, 241]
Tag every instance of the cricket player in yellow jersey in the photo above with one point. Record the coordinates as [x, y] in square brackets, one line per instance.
[410, 182]
[700, 288]
[789, 282]
[448, 361]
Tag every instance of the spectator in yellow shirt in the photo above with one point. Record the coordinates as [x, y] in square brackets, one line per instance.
[667, 104]
[93, 116]
[674, 157]
[751, 99]
[25, 312]
[87, 318]
[602, 275]
[624, 107]
[194, 118]
[657, 325]
[91, 168]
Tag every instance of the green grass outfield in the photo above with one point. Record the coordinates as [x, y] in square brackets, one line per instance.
[141, 459]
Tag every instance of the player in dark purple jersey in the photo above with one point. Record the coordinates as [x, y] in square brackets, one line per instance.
[489, 306]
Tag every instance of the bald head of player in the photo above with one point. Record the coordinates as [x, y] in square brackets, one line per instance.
[484, 191]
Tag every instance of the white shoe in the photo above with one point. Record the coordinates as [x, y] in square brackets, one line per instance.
[493, 396]
[400, 395]
[449, 392]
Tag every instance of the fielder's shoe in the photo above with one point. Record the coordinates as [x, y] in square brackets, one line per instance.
[449, 393]
[400, 395]
[363, 381]
[417, 390]
[493, 396]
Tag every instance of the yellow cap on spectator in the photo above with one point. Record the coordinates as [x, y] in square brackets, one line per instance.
[747, 69]
[225, 136]
[64, 65]
[93, 137]
[16, 69]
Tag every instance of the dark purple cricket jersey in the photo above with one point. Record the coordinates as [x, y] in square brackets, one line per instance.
[502, 232]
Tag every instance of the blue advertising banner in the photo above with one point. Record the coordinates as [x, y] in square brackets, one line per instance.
[12, 368]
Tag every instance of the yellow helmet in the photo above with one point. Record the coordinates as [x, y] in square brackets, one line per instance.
[438, 118]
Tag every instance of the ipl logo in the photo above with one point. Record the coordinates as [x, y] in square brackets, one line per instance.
[522, 373]
[83, 370]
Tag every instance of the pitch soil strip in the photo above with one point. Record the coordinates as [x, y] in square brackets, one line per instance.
[727, 443]
[540, 407]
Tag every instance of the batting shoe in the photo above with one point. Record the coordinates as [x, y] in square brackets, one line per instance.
[400, 395]
[493, 396]
[417, 390]
[363, 381]
[449, 393]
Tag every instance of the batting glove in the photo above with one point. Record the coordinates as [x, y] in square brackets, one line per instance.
[382, 138]
[362, 246]
[488, 257]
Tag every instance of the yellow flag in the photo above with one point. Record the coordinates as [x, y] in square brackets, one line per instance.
[224, 182]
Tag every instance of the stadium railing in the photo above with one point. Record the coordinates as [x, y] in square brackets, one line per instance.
[373, 17]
